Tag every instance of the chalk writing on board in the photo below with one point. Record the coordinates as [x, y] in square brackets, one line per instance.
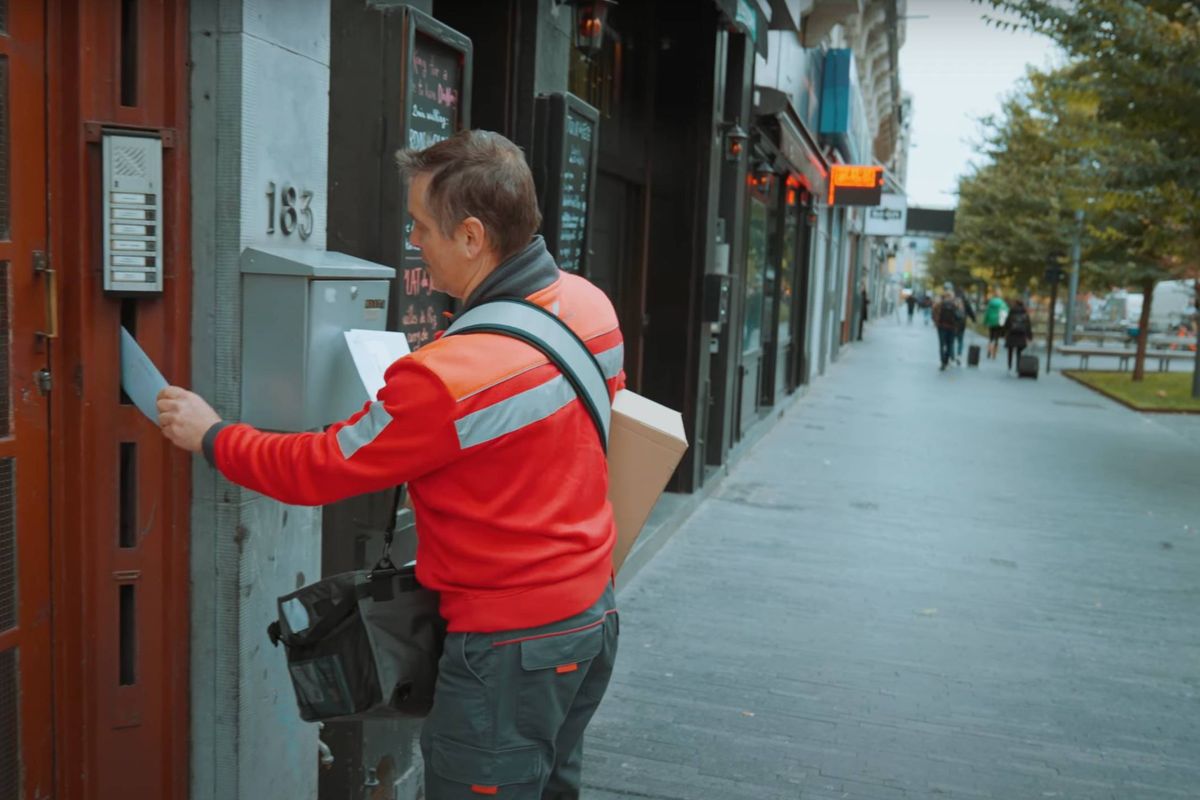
[576, 177]
[420, 322]
[433, 114]
[408, 245]
[416, 281]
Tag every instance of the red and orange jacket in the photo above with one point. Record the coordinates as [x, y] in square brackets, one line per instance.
[506, 472]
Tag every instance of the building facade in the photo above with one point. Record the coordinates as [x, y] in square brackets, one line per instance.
[151, 147]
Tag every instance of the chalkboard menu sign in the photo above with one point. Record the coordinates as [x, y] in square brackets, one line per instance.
[436, 105]
[571, 130]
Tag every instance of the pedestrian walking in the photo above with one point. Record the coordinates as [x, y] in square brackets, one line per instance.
[523, 568]
[948, 314]
[862, 319]
[994, 317]
[960, 332]
[926, 307]
[910, 300]
[1018, 331]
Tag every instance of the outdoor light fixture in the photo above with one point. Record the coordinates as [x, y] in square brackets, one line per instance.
[735, 141]
[591, 16]
[793, 189]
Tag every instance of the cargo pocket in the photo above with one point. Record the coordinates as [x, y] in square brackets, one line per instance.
[552, 669]
[462, 771]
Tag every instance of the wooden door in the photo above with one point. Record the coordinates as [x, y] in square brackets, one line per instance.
[26, 323]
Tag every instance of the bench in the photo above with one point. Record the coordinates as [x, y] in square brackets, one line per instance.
[1123, 355]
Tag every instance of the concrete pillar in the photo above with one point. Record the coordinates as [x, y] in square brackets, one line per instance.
[259, 96]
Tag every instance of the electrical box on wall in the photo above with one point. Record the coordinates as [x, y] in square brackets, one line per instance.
[132, 213]
[297, 304]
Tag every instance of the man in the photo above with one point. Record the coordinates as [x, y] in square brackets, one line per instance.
[947, 313]
[506, 474]
[994, 317]
[960, 331]
[865, 300]
[911, 301]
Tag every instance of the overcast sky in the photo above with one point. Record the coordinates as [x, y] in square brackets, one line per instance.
[958, 69]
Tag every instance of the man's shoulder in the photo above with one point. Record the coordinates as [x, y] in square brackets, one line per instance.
[470, 362]
[581, 304]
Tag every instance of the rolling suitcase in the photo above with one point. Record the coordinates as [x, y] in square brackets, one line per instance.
[1027, 367]
[973, 356]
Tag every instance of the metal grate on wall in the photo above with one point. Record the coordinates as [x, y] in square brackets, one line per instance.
[10, 726]
[8, 546]
[3, 16]
[5, 352]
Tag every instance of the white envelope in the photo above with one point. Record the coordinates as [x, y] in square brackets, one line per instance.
[373, 352]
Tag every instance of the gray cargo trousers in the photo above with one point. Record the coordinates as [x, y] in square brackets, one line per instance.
[510, 708]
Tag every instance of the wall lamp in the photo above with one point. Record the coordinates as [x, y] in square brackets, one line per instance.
[591, 17]
[735, 141]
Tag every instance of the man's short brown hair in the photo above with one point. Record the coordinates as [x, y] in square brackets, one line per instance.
[478, 174]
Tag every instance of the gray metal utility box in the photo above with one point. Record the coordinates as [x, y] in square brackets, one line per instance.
[297, 373]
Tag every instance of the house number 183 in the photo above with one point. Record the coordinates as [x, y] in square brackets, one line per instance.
[295, 211]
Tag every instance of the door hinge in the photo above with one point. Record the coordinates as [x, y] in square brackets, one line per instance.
[45, 381]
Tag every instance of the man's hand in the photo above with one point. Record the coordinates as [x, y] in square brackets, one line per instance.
[184, 417]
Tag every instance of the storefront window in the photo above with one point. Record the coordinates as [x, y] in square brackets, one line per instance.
[791, 233]
[756, 267]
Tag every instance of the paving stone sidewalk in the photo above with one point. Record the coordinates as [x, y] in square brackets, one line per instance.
[922, 585]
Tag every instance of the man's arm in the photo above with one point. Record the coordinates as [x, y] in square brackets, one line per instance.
[407, 432]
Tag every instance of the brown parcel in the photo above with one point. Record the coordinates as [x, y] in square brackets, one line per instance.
[645, 442]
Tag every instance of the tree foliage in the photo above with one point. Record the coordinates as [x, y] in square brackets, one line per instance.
[1115, 131]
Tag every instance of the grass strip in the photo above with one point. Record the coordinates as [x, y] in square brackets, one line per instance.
[1160, 391]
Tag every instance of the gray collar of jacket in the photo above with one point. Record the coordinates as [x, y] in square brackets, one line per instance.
[529, 271]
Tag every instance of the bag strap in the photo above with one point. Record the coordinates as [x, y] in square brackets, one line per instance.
[530, 323]
[384, 564]
[545, 332]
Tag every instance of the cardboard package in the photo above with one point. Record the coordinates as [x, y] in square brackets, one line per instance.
[645, 443]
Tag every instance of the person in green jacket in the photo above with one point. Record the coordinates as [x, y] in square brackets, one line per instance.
[994, 317]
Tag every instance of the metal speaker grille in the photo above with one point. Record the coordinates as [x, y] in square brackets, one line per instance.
[129, 162]
[8, 547]
[5, 353]
[10, 727]
[4, 229]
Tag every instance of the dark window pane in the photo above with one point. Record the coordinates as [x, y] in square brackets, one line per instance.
[4, 226]
[127, 529]
[128, 634]
[5, 352]
[10, 726]
[8, 546]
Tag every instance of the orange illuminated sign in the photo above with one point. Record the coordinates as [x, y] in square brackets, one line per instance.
[852, 185]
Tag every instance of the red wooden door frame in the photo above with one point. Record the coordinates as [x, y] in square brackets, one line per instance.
[26, 441]
[117, 735]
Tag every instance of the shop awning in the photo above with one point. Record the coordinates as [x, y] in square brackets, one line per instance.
[795, 142]
[748, 16]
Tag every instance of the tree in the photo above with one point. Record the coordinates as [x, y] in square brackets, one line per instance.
[1141, 60]
[1018, 207]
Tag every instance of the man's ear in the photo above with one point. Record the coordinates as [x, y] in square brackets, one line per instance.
[474, 236]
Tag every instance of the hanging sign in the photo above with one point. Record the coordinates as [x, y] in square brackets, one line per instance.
[889, 218]
[851, 185]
